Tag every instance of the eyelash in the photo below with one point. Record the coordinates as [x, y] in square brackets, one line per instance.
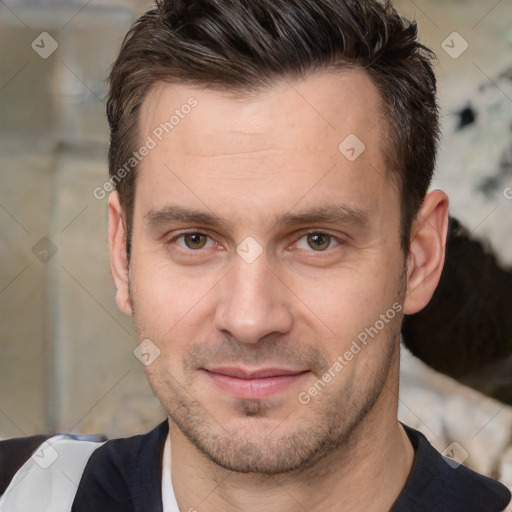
[304, 235]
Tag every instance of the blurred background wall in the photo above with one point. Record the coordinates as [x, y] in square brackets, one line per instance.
[66, 352]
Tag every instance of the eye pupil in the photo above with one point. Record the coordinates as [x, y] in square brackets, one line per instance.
[318, 241]
[195, 241]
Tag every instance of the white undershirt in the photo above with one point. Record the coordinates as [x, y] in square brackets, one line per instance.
[168, 497]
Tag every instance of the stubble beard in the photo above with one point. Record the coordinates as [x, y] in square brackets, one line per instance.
[331, 425]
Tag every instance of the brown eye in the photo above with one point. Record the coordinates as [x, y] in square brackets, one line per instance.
[195, 240]
[319, 241]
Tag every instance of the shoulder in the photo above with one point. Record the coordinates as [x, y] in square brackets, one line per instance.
[60, 473]
[13, 454]
[39, 473]
[124, 474]
[440, 484]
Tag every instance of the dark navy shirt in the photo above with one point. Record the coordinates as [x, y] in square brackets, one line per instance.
[125, 475]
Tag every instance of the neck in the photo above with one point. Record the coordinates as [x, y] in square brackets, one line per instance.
[366, 473]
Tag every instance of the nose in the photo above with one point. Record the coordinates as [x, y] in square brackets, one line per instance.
[252, 303]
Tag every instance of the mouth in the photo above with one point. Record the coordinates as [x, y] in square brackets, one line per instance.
[256, 384]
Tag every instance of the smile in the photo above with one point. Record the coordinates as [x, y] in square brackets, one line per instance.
[256, 384]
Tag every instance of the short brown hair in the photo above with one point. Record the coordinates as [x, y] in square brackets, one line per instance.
[245, 45]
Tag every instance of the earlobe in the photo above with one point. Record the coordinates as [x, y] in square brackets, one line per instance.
[427, 251]
[118, 256]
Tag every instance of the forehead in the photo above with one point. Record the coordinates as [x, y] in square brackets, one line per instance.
[296, 141]
[321, 108]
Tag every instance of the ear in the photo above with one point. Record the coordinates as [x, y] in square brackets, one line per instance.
[427, 251]
[118, 256]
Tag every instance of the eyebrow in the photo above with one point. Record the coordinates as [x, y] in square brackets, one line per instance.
[332, 213]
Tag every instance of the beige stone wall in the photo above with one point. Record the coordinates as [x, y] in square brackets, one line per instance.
[66, 352]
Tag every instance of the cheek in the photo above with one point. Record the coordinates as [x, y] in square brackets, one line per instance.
[339, 307]
[348, 294]
[164, 294]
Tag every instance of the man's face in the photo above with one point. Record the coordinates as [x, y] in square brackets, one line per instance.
[261, 250]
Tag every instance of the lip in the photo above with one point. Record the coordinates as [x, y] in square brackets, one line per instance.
[255, 384]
